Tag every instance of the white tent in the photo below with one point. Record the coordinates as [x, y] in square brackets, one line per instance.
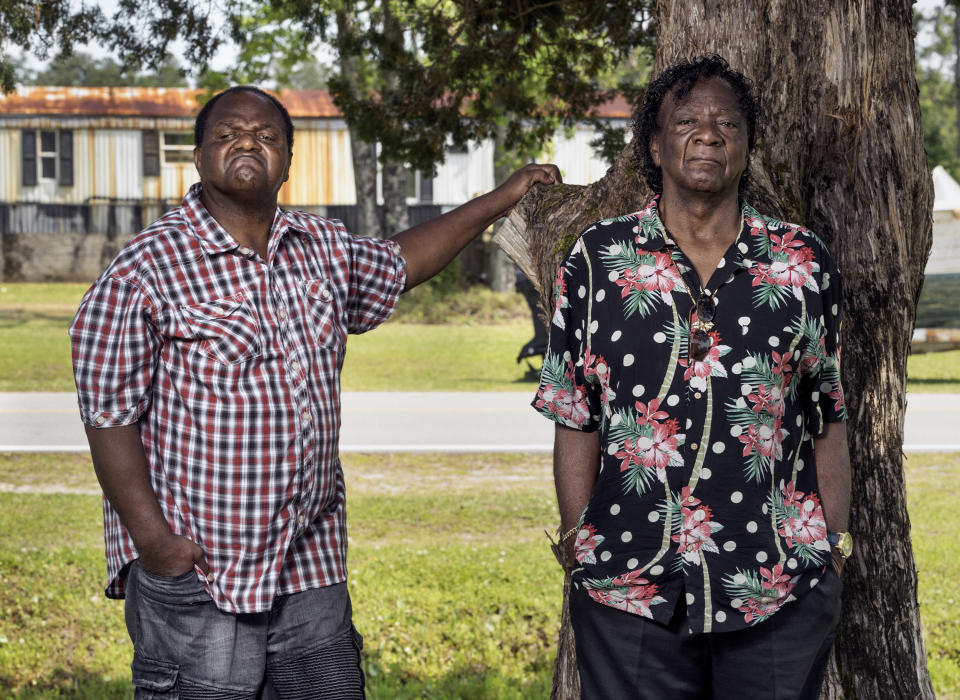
[946, 191]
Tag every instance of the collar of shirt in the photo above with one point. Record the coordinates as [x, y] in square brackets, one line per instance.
[214, 238]
[652, 235]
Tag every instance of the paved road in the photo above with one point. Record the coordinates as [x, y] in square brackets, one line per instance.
[400, 421]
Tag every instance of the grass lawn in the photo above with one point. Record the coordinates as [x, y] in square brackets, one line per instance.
[432, 344]
[455, 590]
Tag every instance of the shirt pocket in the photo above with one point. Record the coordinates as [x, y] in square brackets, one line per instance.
[227, 329]
[323, 320]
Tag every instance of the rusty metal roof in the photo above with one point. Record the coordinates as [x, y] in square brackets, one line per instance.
[142, 102]
[180, 102]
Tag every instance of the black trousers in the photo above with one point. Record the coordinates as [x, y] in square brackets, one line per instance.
[621, 655]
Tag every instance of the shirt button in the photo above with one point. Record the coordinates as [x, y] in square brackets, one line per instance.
[325, 294]
[100, 420]
[306, 416]
[282, 314]
[301, 519]
[694, 446]
[691, 547]
[698, 395]
[244, 251]
[294, 365]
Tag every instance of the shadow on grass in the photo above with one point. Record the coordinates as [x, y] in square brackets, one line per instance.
[12, 318]
[69, 684]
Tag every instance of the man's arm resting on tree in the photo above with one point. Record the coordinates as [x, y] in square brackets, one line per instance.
[833, 478]
[428, 247]
[124, 476]
[576, 463]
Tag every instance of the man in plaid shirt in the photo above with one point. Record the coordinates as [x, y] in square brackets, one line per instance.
[207, 360]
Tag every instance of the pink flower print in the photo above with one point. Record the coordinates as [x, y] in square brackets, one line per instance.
[596, 366]
[650, 413]
[710, 366]
[658, 450]
[561, 301]
[632, 578]
[659, 275]
[761, 275]
[750, 440]
[758, 608]
[791, 497]
[776, 581]
[838, 401]
[769, 439]
[760, 399]
[632, 599]
[794, 271]
[767, 400]
[586, 544]
[785, 242]
[696, 529]
[808, 526]
[755, 224]
[628, 455]
[630, 280]
[781, 364]
[547, 396]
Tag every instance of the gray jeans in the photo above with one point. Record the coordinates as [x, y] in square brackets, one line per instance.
[185, 648]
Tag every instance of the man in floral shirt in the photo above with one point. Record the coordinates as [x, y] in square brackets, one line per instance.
[207, 359]
[700, 455]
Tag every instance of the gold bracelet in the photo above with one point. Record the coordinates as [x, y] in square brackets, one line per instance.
[572, 531]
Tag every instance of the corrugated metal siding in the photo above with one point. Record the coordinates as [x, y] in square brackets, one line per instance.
[578, 163]
[321, 171]
[175, 179]
[9, 165]
[464, 176]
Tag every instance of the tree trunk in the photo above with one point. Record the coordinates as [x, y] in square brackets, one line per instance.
[956, 65]
[840, 151]
[364, 157]
[393, 177]
[363, 153]
[500, 269]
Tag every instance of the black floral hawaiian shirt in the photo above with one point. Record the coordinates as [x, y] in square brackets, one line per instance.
[707, 485]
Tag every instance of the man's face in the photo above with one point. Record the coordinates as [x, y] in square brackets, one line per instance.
[702, 141]
[244, 154]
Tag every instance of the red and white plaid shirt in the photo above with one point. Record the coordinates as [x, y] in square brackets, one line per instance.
[231, 366]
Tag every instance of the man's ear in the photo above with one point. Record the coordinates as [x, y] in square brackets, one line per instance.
[196, 158]
[655, 148]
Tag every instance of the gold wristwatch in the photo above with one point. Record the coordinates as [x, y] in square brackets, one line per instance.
[842, 542]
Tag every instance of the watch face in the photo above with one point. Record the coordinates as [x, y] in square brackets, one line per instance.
[845, 544]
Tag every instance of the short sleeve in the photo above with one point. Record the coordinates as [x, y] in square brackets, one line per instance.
[822, 386]
[115, 350]
[378, 273]
[565, 395]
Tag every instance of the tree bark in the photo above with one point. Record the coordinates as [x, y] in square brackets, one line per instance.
[840, 151]
[956, 66]
[500, 269]
[364, 157]
[393, 175]
[393, 179]
[362, 153]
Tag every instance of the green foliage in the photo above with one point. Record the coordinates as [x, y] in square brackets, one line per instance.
[936, 78]
[43, 26]
[84, 70]
[514, 71]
